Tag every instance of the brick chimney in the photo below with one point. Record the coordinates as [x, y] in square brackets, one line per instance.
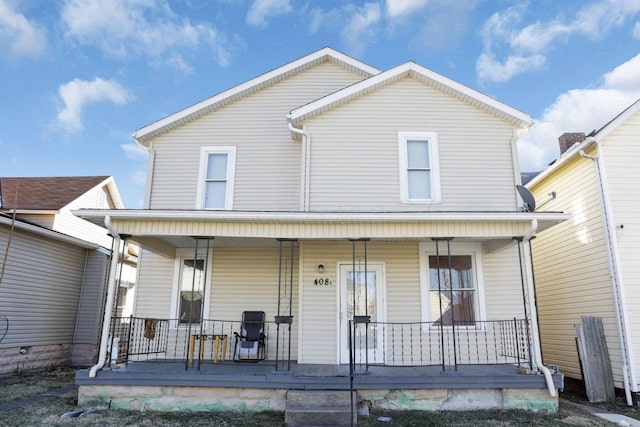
[568, 139]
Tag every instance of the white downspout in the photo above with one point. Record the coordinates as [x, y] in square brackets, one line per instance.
[306, 163]
[618, 297]
[110, 296]
[533, 313]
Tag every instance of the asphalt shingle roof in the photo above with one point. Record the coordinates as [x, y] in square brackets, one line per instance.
[44, 193]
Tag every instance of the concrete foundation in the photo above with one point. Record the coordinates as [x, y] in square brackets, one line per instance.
[34, 357]
[157, 398]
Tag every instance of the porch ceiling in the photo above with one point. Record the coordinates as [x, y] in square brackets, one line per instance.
[163, 231]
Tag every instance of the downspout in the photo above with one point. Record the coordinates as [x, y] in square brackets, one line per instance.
[306, 162]
[110, 296]
[533, 313]
[618, 297]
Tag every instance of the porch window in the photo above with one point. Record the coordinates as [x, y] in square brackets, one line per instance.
[419, 171]
[452, 284]
[452, 290]
[216, 181]
[191, 291]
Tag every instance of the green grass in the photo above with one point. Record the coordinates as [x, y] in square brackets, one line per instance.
[49, 412]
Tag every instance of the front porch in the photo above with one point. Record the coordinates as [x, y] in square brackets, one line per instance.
[168, 386]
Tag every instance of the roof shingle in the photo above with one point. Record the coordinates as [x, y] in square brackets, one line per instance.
[44, 193]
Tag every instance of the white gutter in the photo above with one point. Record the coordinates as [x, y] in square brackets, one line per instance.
[306, 163]
[617, 289]
[106, 322]
[533, 313]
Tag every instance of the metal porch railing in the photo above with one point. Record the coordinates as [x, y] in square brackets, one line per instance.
[492, 342]
[136, 339]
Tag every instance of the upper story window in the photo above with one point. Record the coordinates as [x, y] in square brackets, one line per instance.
[216, 178]
[419, 171]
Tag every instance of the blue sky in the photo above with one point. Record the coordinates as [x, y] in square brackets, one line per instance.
[77, 77]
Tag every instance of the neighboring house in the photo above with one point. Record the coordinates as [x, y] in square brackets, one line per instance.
[326, 192]
[589, 264]
[53, 269]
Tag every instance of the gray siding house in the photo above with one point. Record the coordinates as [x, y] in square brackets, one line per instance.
[53, 269]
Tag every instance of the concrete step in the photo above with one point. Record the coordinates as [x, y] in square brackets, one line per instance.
[318, 408]
[318, 398]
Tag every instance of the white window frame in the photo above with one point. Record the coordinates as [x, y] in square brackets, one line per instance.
[230, 151]
[457, 248]
[434, 166]
[181, 255]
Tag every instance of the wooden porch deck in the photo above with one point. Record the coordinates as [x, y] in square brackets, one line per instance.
[314, 377]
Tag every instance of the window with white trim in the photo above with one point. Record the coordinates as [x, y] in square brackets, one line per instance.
[216, 177]
[451, 284]
[419, 169]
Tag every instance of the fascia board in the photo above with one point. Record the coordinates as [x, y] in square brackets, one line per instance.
[420, 73]
[250, 216]
[145, 134]
[568, 155]
[48, 233]
[621, 118]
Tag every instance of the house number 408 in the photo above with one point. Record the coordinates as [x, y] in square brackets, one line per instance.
[322, 281]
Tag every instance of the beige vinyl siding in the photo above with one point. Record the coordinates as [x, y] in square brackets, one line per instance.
[40, 289]
[90, 307]
[354, 154]
[621, 153]
[46, 221]
[319, 304]
[154, 292]
[66, 222]
[268, 160]
[302, 230]
[572, 275]
[502, 284]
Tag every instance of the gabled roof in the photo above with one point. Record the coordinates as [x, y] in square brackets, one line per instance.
[617, 121]
[51, 193]
[593, 138]
[147, 133]
[422, 74]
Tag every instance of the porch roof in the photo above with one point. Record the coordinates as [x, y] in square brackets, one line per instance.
[164, 230]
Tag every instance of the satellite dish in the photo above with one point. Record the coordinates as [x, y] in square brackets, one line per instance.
[529, 204]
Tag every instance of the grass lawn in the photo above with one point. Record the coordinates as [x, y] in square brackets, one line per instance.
[48, 413]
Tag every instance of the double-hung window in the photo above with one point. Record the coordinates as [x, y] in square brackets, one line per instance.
[419, 171]
[452, 284]
[216, 178]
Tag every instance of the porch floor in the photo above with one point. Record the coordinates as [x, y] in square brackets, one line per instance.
[314, 376]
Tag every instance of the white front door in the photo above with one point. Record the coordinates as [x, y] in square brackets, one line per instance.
[362, 294]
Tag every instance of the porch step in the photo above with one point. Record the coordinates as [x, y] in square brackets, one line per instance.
[318, 408]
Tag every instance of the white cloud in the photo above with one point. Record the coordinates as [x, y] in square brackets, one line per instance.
[358, 31]
[262, 10]
[19, 37]
[404, 7]
[580, 110]
[77, 94]
[489, 69]
[140, 27]
[524, 49]
[134, 151]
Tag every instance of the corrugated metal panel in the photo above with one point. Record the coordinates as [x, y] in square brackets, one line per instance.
[91, 298]
[354, 153]
[40, 289]
[268, 160]
[621, 153]
[572, 275]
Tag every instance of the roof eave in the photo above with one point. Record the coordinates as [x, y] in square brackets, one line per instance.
[146, 134]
